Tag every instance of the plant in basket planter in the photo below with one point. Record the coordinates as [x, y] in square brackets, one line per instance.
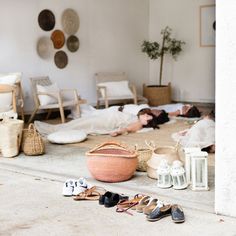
[155, 50]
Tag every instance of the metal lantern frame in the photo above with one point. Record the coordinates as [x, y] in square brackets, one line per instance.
[163, 175]
[178, 175]
[199, 171]
[187, 165]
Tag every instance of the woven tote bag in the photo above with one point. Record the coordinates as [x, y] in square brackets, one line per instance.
[32, 143]
[10, 138]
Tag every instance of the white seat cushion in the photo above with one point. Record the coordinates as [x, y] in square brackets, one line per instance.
[116, 89]
[67, 136]
[45, 99]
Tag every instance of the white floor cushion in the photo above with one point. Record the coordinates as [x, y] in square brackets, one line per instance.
[67, 136]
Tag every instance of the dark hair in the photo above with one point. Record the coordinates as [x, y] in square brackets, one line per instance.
[192, 112]
[162, 118]
[151, 123]
[156, 120]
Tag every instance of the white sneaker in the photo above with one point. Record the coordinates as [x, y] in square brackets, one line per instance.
[68, 188]
[80, 186]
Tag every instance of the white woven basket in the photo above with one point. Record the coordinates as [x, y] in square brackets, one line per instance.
[10, 138]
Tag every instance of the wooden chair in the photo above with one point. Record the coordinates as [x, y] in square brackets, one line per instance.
[6, 88]
[102, 80]
[57, 95]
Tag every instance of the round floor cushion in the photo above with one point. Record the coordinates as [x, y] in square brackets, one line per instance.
[67, 136]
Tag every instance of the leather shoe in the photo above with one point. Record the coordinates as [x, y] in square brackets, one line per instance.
[114, 199]
[159, 212]
[177, 214]
[102, 197]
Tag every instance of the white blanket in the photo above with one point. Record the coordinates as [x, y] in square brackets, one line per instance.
[101, 122]
[202, 135]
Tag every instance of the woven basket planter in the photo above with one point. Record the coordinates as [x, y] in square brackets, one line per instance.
[112, 162]
[144, 154]
[157, 95]
[10, 138]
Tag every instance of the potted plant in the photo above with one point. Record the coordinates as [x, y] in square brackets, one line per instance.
[161, 94]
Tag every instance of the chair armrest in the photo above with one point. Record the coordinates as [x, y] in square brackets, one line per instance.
[54, 94]
[76, 95]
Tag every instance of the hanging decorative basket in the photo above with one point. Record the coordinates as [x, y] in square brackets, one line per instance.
[10, 138]
[112, 162]
[32, 143]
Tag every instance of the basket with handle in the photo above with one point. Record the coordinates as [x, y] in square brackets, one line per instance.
[10, 138]
[32, 143]
[112, 162]
[144, 154]
[169, 153]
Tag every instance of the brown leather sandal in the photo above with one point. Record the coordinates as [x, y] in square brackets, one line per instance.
[90, 194]
[125, 205]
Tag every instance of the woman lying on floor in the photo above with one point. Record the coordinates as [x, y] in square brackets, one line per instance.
[177, 109]
[201, 134]
[104, 122]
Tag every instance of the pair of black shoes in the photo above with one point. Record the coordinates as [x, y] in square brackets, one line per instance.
[175, 211]
[110, 199]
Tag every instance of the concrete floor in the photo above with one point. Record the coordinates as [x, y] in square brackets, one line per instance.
[32, 204]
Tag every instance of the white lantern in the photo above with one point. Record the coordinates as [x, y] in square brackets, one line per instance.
[178, 175]
[163, 175]
[187, 165]
[199, 171]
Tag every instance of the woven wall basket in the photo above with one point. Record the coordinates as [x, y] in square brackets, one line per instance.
[112, 162]
[32, 143]
[10, 138]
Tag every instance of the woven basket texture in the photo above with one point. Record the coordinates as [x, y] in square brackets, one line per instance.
[143, 156]
[112, 162]
[10, 141]
[32, 143]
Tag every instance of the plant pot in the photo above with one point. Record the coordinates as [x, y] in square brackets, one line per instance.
[157, 95]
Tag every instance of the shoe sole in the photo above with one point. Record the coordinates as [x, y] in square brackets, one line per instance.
[178, 221]
[156, 219]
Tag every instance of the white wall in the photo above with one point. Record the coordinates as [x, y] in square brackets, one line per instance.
[111, 32]
[193, 74]
[225, 200]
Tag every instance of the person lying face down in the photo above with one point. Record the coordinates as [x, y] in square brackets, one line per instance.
[144, 118]
[187, 110]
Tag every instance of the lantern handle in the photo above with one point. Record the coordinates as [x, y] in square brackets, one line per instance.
[151, 144]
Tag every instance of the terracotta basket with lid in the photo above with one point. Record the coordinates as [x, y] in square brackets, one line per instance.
[112, 162]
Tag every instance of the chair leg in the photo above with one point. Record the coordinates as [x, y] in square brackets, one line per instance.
[98, 104]
[62, 114]
[78, 110]
[106, 103]
[32, 115]
[49, 113]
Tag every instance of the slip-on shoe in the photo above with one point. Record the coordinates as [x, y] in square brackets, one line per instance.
[159, 212]
[177, 214]
[104, 196]
[114, 199]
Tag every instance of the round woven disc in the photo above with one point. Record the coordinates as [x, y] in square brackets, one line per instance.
[70, 21]
[58, 39]
[72, 43]
[60, 59]
[46, 20]
[45, 47]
